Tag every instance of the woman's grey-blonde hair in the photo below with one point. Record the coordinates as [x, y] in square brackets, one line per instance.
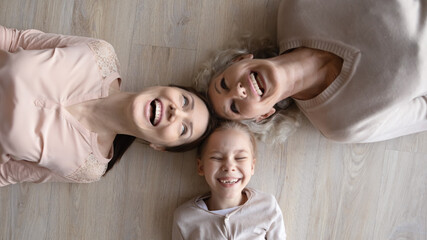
[278, 127]
[259, 47]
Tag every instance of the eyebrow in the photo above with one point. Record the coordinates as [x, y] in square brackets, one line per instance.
[191, 123]
[240, 151]
[216, 89]
[192, 102]
[191, 130]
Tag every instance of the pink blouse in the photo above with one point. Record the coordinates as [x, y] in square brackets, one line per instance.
[40, 75]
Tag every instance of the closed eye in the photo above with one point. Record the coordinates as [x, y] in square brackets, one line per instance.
[234, 108]
[223, 84]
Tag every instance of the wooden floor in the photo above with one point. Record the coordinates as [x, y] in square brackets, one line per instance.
[326, 190]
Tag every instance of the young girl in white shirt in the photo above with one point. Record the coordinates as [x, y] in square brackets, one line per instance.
[230, 210]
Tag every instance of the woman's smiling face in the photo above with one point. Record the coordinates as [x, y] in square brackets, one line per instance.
[169, 116]
[247, 89]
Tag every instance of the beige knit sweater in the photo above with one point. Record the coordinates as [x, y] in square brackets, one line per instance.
[381, 92]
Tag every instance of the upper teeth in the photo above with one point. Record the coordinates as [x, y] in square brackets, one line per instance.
[157, 113]
[229, 181]
[255, 84]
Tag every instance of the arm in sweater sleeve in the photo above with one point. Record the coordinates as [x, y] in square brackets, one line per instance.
[277, 227]
[12, 39]
[12, 172]
[409, 118]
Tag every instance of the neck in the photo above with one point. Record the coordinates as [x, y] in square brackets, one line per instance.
[306, 72]
[106, 116]
[216, 202]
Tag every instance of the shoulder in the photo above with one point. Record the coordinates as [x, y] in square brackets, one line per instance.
[90, 171]
[186, 208]
[262, 201]
[101, 47]
[259, 195]
[106, 57]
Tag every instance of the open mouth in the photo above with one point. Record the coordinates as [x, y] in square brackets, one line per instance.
[229, 180]
[156, 112]
[257, 83]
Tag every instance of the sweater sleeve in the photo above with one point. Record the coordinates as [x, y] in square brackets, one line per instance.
[409, 118]
[277, 227]
[13, 171]
[11, 39]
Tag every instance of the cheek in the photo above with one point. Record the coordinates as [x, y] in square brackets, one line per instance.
[210, 170]
[168, 134]
[250, 109]
[210, 178]
[254, 109]
[249, 170]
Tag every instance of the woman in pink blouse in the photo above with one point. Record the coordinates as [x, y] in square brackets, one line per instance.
[64, 118]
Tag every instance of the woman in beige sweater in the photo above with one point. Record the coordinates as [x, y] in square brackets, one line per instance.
[356, 69]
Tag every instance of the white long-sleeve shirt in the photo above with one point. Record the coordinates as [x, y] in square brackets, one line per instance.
[259, 218]
[381, 92]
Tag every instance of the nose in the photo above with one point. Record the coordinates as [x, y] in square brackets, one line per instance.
[174, 113]
[241, 91]
[228, 166]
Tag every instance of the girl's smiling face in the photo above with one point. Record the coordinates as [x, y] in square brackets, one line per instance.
[227, 162]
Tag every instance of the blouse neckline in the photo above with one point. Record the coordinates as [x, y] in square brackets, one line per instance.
[80, 127]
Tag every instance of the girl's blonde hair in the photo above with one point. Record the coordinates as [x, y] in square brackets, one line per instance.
[228, 125]
[278, 127]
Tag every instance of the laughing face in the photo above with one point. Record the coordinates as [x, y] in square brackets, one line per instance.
[248, 89]
[169, 116]
[227, 163]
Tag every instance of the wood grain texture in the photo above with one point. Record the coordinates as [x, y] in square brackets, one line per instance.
[326, 190]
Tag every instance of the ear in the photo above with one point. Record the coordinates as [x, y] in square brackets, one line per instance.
[200, 170]
[241, 57]
[157, 147]
[253, 167]
[266, 115]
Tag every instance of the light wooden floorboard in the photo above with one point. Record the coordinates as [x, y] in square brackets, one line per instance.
[326, 190]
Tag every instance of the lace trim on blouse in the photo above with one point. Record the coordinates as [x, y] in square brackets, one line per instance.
[106, 57]
[92, 170]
